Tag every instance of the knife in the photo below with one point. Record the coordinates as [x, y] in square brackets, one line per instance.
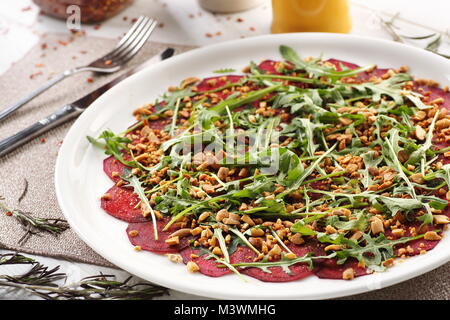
[72, 110]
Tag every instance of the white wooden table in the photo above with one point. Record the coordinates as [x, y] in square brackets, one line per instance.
[185, 22]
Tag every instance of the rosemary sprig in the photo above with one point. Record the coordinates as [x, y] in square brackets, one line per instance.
[42, 281]
[24, 192]
[35, 225]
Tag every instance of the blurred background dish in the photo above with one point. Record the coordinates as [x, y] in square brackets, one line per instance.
[91, 10]
[311, 16]
[229, 6]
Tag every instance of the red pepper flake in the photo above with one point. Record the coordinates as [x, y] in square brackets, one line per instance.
[39, 65]
[218, 33]
[90, 80]
[43, 46]
[83, 51]
[26, 8]
[251, 29]
[134, 20]
[62, 42]
[107, 62]
[124, 18]
[74, 57]
[161, 25]
[9, 213]
[208, 35]
[239, 20]
[191, 16]
[97, 26]
[34, 75]
[78, 33]
[42, 140]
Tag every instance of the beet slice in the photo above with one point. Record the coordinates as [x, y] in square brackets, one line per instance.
[435, 93]
[111, 165]
[207, 266]
[146, 240]
[414, 247]
[121, 205]
[277, 274]
[213, 83]
[268, 66]
[329, 269]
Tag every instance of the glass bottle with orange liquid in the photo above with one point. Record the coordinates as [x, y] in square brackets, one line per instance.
[311, 16]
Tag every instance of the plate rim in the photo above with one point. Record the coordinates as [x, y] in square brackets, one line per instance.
[435, 261]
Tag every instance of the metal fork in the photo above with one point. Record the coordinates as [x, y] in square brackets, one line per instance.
[126, 49]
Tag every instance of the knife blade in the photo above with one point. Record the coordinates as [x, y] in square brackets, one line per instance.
[72, 110]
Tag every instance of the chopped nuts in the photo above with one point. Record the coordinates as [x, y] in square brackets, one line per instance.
[188, 81]
[133, 233]
[432, 235]
[196, 231]
[290, 256]
[223, 173]
[441, 219]
[276, 250]
[420, 133]
[329, 229]
[175, 258]
[296, 239]
[217, 251]
[356, 236]
[348, 274]
[106, 196]
[248, 220]
[443, 123]
[257, 232]
[417, 178]
[376, 225]
[398, 233]
[192, 267]
[173, 241]
[334, 247]
[222, 214]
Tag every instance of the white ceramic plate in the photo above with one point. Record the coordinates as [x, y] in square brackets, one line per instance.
[80, 180]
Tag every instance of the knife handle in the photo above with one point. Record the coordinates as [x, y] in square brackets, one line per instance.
[64, 114]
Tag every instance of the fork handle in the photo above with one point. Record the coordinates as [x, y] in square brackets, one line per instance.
[64, 114]
[8, 110]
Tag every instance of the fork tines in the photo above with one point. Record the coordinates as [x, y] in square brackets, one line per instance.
[132, 41]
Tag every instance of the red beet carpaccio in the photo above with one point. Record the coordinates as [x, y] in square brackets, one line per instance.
[290, 169]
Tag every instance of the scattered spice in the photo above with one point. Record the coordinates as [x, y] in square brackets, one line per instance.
[36, 74]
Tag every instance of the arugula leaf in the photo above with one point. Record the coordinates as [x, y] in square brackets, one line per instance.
[313, 68]
[373, 252]
[225, 70]
[140, 191]
[113, 145]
